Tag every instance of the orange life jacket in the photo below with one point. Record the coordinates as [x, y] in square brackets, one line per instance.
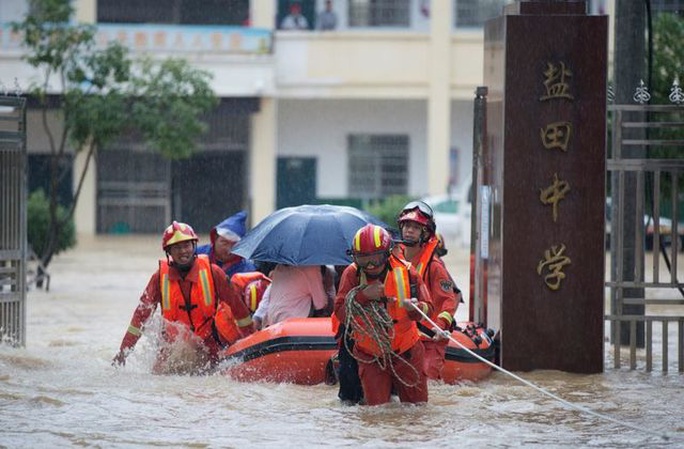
[202, 301]
[335, 324]
[226, 327]
[424, 260]
[397, 288]
[251, 286]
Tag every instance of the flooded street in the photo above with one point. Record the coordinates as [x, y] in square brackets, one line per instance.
[61, 390]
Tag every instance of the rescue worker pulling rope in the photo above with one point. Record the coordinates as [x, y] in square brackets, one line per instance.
[420, 246]
[372, 302]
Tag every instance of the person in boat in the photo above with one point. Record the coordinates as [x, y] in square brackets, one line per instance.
[377, 301]
[222, 238]
[421, 247]
[298, 292]
[441, 250]
[251, 286]
[200, 310]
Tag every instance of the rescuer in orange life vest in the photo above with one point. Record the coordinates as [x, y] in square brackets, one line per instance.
[251, 285]
[376, 301]
[421, 246]
[200, 310]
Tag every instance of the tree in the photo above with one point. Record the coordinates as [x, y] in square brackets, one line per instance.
[103, 93]
[668, 67]
[668, 55]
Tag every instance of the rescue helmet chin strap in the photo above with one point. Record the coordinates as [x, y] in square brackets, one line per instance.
[410, 243]
[424, 237]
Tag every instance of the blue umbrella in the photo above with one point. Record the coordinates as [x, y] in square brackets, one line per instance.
[305, 235]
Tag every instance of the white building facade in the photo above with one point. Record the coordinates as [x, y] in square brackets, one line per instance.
[381, 105]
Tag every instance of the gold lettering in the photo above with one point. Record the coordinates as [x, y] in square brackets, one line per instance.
[554, 261]
[555, 82]
[556, 135]
[553, 194]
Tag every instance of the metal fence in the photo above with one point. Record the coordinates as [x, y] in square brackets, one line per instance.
[646, 236]
[13, 198]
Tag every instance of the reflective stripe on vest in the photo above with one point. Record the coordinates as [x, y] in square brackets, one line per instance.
[203, 274]
[202, 308]
[166, 296]
[206, 289]
[253, 297]
[397, 285]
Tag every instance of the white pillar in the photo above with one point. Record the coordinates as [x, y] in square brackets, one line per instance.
[85, 217]
[263, 156]
[262, 13]
[86, 11]
[439, 99]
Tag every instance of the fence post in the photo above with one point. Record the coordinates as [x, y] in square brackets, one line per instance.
[13, 199]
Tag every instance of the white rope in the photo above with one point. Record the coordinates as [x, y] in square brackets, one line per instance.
[539, 389]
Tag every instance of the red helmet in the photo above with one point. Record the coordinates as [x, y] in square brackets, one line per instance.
[371, 239]
[418, 212]
[176, 233]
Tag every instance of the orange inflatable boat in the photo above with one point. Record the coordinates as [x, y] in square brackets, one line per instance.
[297, 351]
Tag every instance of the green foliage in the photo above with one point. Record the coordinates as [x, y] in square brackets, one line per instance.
[668, 66]
[169, 99]
[38, 218]
[104, 93]
[388, 208]
[668, 55]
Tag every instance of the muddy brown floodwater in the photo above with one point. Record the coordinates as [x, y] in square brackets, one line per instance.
[61, 391]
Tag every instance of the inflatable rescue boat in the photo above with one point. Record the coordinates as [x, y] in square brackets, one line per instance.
[297, 351]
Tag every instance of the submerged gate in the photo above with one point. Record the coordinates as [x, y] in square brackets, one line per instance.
[13, 197]
[646, 238]
[644, 312]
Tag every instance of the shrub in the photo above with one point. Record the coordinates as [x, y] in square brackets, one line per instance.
[388, 209]
[38, 221]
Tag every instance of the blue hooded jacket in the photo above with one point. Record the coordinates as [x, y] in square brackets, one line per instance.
[232, 228]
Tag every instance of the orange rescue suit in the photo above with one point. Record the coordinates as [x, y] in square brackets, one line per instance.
[445, 303]
[198, 311]
[397, 289]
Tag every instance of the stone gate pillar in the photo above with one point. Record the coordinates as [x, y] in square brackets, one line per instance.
[545, 67]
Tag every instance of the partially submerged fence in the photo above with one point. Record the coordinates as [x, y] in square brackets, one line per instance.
[646, 238]
[13, 198]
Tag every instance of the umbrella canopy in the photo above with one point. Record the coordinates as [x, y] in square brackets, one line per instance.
[305, 235]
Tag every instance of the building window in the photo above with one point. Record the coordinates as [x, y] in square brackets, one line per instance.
[474, 13]
[379, 13]
[176, 12]
[378, 165]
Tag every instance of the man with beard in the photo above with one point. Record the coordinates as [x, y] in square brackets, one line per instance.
[200, 310]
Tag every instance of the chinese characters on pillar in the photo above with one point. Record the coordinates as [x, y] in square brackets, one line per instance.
[554, 261]
[552, 194]
[555, 136]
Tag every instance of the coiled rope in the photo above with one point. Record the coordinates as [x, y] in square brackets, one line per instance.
[374, 322]
[543, 391]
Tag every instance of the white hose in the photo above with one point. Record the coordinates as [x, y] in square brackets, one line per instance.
[539, 389]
